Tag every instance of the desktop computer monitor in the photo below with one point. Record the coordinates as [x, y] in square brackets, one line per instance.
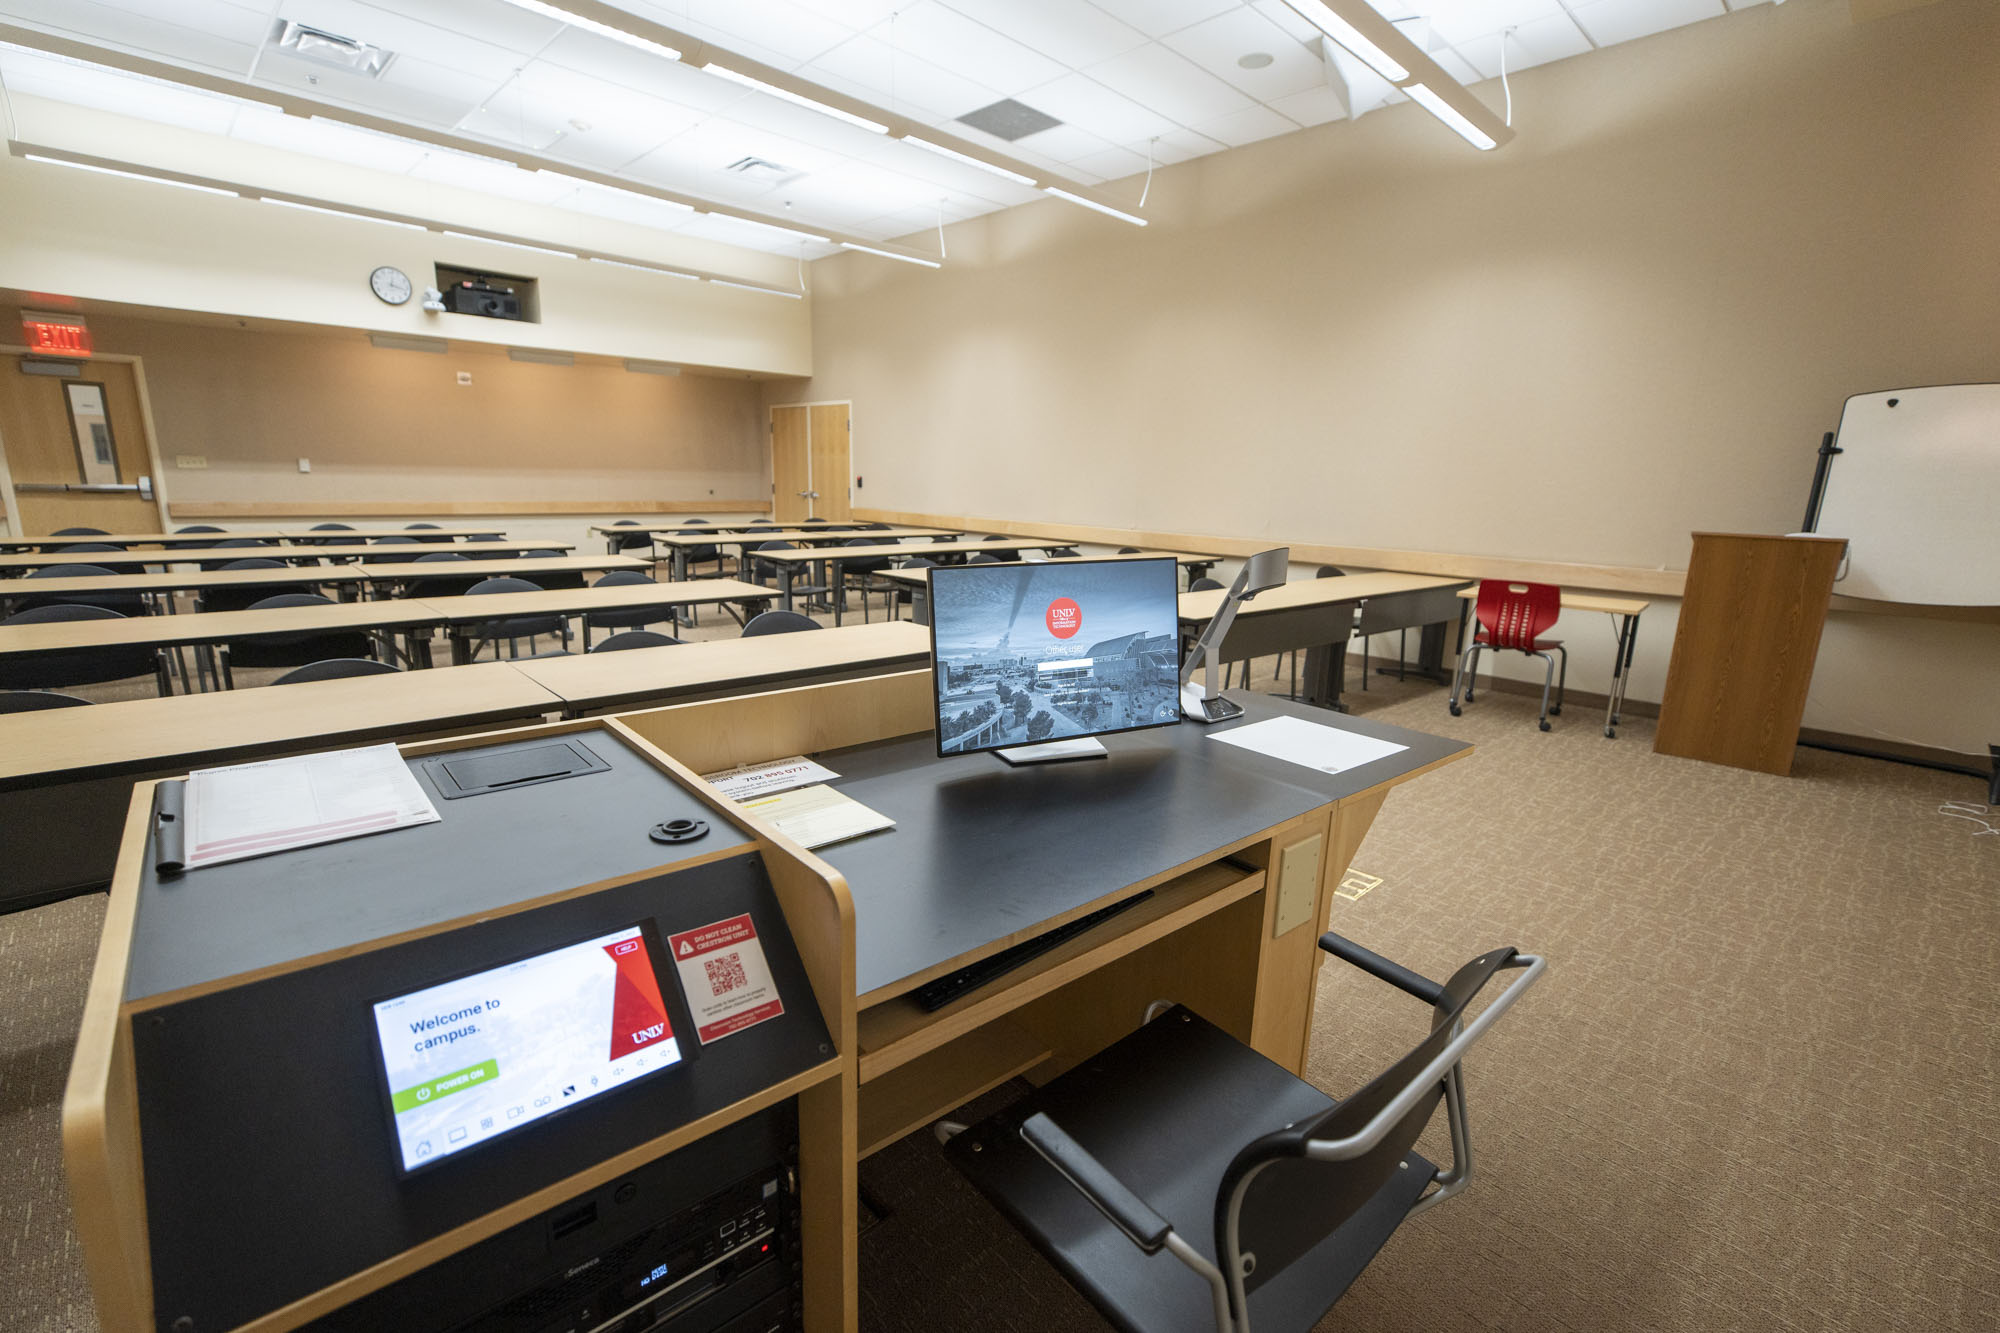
[1029, 655]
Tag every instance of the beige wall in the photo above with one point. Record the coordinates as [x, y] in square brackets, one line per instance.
[1633, 322]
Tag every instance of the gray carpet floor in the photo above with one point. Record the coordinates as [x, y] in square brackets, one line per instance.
[1759, 1088]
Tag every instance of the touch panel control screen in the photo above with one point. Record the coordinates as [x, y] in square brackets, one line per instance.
[472, 1059]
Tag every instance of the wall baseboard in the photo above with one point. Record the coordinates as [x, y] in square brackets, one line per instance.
[479, 508]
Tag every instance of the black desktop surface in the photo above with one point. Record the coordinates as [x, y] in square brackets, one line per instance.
[981, 851]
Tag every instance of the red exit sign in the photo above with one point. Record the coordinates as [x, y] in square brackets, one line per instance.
[61, 335]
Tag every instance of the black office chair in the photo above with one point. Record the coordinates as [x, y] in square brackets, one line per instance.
[328, 541]
[764, 571]
[193, 530]
[339, 668]
[1133, 550]
[905, 594]
[83, 666]
[985, 558]
[864, 576]
[84, 548]
[514, 628]
[80, 532]
[436, 585]
[239, 598]
[637, 617]
[1006, 556]
[635, 638]
[36, 701]
[122, 603]
[395, 557]
[699, 555]
[297, 648]
[233, 544]
[1272, 1195]
[778, 622]
[635, 541]
[424, 527]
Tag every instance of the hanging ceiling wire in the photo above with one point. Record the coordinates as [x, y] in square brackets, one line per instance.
[1149, 171]
[1504, 85]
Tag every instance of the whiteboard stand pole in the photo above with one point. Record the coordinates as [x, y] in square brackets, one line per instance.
[1827, 450]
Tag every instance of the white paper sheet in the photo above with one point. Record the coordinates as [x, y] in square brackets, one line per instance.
[1296, 741]
[817, 816]
[255, 809]
[740, 784]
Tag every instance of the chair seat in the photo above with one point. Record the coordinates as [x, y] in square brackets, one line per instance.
[1148, 1108]
[1541, 645]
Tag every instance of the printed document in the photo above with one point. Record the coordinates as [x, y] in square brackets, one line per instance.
[249, 810]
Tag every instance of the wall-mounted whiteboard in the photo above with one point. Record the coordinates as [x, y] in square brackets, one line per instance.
[1916, 491]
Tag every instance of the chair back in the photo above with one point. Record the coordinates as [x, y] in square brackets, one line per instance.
[1290, 1202]
[234, 543]
[80, 532]
[441, 587]
[1329, 572]
[867, 565]
[35, 701]
[621, 578]
[1516, 614]
[502, 583]
[778, 622]
[298, 647]
[120, 603]
[336, 668]
[635, 638]
[83, 666]
[629, 541]
[424, 527]
[383, 557]
[1205, 585]
[199, 527]
[85, 547]
[236, 599]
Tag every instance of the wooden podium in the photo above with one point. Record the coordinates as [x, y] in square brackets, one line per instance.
[1743, 653]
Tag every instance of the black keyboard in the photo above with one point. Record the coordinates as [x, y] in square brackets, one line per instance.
[935, 995]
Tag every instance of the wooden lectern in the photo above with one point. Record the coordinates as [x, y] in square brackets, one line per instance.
[1743, 653]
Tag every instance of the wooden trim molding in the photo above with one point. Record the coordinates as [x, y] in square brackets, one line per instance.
[478, 508]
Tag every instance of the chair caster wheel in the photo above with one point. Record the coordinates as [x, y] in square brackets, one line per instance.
[1468, 696]
[1610, 735]
[1545, 724]
[1556, 711]
[1456, 710]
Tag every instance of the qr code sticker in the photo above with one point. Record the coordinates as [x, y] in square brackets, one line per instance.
[725, 973]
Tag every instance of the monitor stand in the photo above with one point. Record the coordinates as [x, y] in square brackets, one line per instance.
[1199, 706]
[1087, 747]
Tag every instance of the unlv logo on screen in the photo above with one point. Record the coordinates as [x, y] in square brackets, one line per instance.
[1065, 617]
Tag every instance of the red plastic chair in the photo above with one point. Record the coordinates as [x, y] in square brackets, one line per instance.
[1512, 617]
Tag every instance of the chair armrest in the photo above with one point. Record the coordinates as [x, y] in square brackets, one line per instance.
[1094, 1181]
[1430, 992]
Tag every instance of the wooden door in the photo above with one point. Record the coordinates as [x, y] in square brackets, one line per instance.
[829, 461]
[791, 464]
[101, 443]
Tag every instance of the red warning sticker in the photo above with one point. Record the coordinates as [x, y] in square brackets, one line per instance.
[726, 977]
[1065, 617]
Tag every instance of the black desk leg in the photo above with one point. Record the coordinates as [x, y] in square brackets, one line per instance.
[1326, 668]
[839, 582]
[420, 647]
[785, 583]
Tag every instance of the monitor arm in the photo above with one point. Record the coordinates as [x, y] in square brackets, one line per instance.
[1204, 702]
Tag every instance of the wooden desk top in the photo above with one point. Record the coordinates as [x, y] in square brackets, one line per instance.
[600, 680]
[915, 548]
[576, 601]
[1200, 606]
[747, 535]
[283, 551]
[187, 730]
[368, 572]
[1583, 601]
[920, 577]
[730, 530]
[253, 534]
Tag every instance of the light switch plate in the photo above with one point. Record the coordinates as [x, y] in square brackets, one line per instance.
[1298, 885]
[305, 465]
[190, 462]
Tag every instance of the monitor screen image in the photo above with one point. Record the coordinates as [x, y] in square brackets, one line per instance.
[472, 1059]
[1028, 653]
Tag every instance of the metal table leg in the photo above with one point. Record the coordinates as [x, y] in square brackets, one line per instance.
[1621, 673]
[784, 583]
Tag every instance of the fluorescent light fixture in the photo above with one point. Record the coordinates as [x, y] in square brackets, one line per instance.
[403, 342]
[891, 254]
[1349, 36]
[969, 161]
[540, 357]
[645, 268]
[130, 175]
[344, 213]
[518, 245]
[1450, 115]
[592, 25]
[651, 367]
[1107, 209]
[796, 99]
[747, 287]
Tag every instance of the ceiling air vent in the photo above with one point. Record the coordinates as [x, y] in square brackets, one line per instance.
[1010, 120]
[759, 169]
[332, 50]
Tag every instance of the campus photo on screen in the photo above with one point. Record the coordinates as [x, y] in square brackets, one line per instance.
[1043, 652]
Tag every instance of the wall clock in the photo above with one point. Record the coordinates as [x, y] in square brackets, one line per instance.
[390, 284]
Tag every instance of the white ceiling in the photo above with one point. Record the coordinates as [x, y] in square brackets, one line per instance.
[1129, 79]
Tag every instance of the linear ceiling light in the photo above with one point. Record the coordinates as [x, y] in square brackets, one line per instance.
[1450, 115]
[1349, 36]
[645, 268]
[345, 213]
[890, 254]
[651, 367]
[749, 287]
[1107, 209]
[518, 245]
[796, 99]
[404, 342]
[130, 175]
[592, 25]
[967, 159]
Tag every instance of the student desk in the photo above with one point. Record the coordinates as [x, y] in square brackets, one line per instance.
[918, 580]
[607, 682]
[16, 564]
[613, 532]
[680, 541]
[463, 615]
[1318, 616]
[1624, 613]
[178, 539]
[787, 563]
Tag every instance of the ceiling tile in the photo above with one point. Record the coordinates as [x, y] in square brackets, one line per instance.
[776, 32]
[1089, 105]
[503, 25]
[1536, 43]
[872, 70]
[1075, 34]
[1259, 122]
[1157, 18]
[970, 50]
[1216, 45]
[410, 40]
[1457, 21]
[1170, 84]
[1314, 106]
[1178, 146]
[625, 206]
[334, 143]
[37, 75]
[1608, 22]
[202, 33]
[1112, 164]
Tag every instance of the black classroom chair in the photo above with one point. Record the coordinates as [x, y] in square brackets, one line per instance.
[339, 668]
[83, 666]
[1271, 1195]
[424, 527]
[299, 648]
[395, 557]
[36, 701]
[778, 622]
[437, 585]
[123, 603]
[864, 576]
[240, 598]
[637, 617]
[635, 638]
[513, 628]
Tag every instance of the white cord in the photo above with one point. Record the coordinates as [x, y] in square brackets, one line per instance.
[1972, 810]
[941, 249]
[1149, 172]
[1504, 85]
